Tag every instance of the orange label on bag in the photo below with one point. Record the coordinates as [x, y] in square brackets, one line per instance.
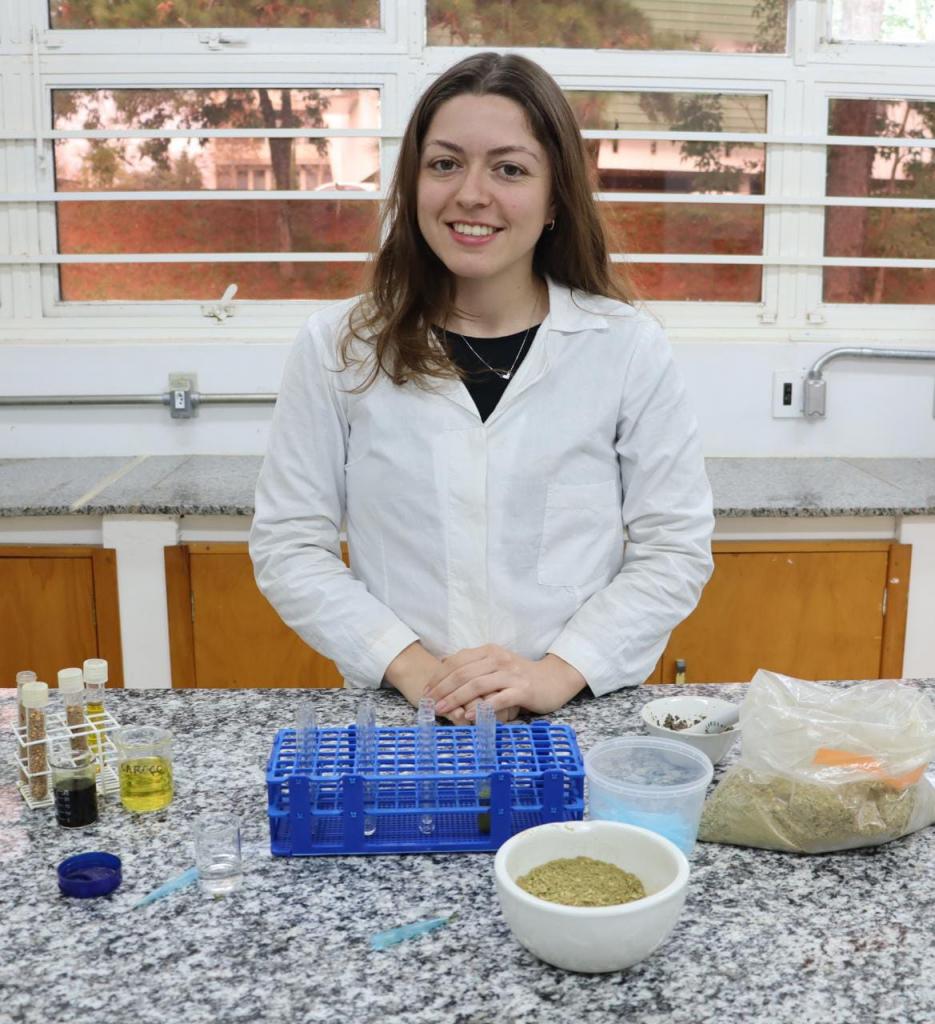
[829, 757]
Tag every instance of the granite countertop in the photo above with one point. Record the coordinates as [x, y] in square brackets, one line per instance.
[224, 485]
[765, 938]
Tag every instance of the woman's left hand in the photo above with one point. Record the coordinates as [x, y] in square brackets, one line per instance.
[505, 679]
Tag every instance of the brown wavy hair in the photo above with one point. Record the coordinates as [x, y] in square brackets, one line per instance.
[411, 289]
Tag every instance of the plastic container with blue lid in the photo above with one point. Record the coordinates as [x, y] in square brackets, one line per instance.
[89, 874]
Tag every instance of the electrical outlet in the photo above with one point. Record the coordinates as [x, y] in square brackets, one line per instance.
[787, 394]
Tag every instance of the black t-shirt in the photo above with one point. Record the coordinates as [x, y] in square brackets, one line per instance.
[484, 385]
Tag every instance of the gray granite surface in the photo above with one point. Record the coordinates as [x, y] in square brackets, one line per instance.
[183, 485]
[51, 486]
[224, 485]
[822, 487]
[765, 938]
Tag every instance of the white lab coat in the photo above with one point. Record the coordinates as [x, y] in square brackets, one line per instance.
[577, 520]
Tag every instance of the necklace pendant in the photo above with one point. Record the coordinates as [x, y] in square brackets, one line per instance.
[505, 376]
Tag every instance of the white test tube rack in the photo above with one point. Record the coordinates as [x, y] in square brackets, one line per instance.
[57, 729]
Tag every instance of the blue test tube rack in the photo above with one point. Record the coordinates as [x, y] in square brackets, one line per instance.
[318, 805]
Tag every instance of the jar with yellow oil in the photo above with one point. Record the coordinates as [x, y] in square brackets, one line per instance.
[144, 759]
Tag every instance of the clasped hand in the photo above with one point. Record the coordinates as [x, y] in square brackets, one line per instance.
[510, 682]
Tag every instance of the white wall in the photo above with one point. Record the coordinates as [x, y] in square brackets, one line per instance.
[874, 409]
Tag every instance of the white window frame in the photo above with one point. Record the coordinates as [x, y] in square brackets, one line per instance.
[797, 85]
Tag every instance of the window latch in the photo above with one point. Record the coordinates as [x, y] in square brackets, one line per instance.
[218, 40]
[224, 307]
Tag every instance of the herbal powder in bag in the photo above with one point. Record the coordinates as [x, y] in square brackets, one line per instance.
[826, 768]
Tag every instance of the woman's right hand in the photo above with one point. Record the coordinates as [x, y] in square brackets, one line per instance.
[465, 715]
[411, 671]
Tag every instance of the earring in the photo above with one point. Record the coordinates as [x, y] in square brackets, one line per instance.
[551, 225]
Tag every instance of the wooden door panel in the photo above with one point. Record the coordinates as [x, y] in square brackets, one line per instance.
[238, 639]
[815, 614]
[46, 615]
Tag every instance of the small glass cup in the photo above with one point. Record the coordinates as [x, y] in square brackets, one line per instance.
[217, 853]
[144, 758]
[74, 785]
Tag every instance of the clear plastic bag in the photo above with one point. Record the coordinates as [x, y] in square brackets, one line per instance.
[826, 768]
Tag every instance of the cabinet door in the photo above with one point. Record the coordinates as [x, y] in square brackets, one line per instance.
[58, 606]
[814, 610]
[224, 633]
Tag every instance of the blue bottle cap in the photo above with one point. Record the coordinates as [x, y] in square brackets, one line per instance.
[89, 874]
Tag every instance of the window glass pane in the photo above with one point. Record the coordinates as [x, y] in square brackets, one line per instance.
[248, 164]
[147, 164]
[350, 165]
[696, 282]
[635, 165]
[77, 14]
[904, 172]
[204, 282]
[883, 21]
[725, 26]
[217, 226]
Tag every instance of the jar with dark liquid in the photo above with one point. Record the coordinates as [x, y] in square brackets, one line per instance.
[74, 785]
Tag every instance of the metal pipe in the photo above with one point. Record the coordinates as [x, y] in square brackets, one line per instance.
[233, 399]
[815, 389]
[164, 399]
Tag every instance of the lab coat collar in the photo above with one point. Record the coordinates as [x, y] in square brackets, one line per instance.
[571, 310]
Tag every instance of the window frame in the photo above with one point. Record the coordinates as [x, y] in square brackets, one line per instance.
[797, 85]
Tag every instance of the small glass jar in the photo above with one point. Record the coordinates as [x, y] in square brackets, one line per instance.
[144, 756]
[74, 785]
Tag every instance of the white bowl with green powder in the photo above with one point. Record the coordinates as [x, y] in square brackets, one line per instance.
[561, 858]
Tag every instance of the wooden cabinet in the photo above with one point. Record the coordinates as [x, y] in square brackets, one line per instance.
[58, 606]
[224, 633]
[815, 610]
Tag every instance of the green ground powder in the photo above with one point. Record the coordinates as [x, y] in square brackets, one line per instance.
[775, 813]
[582, 882]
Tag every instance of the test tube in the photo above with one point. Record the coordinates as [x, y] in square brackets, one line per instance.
[35, 696]
[306, 730]
[367, 757]
[485, 740]
[306, 727]
[25, 676]
[95, 682]
[71, 690]
[425, 760]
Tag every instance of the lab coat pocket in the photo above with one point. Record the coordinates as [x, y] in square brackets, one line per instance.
[582, 535]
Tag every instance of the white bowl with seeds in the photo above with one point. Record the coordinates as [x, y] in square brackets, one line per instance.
[670, 716]
[592, 939]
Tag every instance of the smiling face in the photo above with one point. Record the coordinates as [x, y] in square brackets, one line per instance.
[484, 193]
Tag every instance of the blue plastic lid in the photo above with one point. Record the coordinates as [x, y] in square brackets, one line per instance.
[89, 874]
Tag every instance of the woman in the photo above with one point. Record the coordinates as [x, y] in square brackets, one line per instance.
[489, 420]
